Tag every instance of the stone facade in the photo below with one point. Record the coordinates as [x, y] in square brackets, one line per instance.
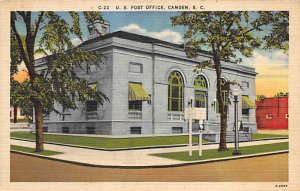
[131, 58]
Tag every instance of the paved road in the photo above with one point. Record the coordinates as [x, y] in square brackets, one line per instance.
[272, 168]
[124, 158]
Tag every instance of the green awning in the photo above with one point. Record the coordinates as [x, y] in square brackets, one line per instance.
[137, 92]
[247, 103]
[93, 86]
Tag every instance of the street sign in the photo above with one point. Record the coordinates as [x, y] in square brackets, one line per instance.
[198, 114]
[195, 113]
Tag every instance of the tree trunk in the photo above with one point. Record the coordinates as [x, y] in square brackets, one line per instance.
[222, 144]
[39, 127]
[15, 114]
[222, 106]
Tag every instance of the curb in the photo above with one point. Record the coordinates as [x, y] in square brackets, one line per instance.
[153, 166]
[136, 148]
[265, 139]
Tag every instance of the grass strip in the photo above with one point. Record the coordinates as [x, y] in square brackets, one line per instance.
[100, 142]
[31, 150]
[265, 136]
[214, 153]
[111, 143]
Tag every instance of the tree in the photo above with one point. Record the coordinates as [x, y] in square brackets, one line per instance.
[260, 98]
[224, 35]
[282, 94]
[50, 33]
[279, 36]
[15, 61]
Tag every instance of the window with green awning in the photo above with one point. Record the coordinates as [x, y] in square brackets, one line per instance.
[93, 86]
[247, 103]
[137, 92]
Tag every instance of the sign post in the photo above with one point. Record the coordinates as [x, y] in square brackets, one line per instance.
[190, 137]
[199, 114]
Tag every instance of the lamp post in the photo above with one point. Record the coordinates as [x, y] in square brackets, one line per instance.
[201, 129]
[190, 126]
[236, 129]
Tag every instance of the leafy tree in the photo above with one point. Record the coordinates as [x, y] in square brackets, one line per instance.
[279, 36]
[225, 35]
[50, 33]
[15, 61]
[260, 98]
[282, 94]
[15, 56]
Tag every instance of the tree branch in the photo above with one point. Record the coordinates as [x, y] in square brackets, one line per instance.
[37, 26]
[230, 25]
[22, 13]
[29, 43]
[20, 43]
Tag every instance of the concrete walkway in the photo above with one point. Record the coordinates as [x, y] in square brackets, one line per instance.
[130, 158]
[274, 132]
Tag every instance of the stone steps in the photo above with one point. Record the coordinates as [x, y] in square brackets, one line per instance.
[230, 136]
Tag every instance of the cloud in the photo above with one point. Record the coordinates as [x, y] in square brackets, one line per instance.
[268, 59]
[166, 35]
[275, 63]
[272, 69]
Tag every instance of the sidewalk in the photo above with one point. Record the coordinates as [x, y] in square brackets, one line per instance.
[273, 132]
[130, 158]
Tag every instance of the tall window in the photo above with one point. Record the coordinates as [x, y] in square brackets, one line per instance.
[136, 95]
[90, 67]
[91, 105]
[46, 114]
[224, 91]
[135, 105]
[200, 86]
[224, 95]
[247, 104]
[175, 92]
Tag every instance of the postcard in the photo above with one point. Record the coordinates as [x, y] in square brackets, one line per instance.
[149, 95]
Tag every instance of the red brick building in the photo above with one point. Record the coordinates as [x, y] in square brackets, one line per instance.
[272, 113]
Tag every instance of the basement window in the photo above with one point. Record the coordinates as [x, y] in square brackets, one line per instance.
[135, 130]
[65, 130]
[45, 129]
[177, 130]
[90, 130]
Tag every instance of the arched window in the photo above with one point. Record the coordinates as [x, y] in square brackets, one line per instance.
[200, 85]
[175, 92]
[224, 90]
[224, 95]
[200, 82]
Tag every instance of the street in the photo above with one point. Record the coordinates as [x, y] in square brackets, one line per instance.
[273, 168]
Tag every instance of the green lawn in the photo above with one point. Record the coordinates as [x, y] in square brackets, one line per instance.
[214, 153]
[264, 136]
[110, 143]
[31, 150]
[100, 142]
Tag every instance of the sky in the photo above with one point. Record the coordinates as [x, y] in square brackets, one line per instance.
[271, 66]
